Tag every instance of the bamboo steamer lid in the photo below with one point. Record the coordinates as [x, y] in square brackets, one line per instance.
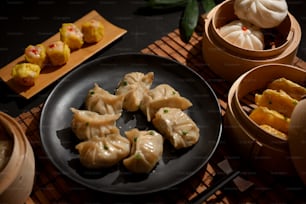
[297, 138]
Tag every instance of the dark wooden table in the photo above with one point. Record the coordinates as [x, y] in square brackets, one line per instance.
[32, 22]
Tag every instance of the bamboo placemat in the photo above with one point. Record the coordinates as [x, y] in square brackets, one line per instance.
[52, 187]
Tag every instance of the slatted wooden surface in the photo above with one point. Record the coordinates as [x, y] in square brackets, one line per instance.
[52, 187]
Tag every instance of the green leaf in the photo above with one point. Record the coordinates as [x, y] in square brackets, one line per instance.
[208, 5]
[189, 20]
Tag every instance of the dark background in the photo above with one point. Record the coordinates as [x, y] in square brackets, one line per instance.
[31, 22]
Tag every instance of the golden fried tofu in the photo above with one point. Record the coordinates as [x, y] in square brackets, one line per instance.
[279, 101]
[25, 74]
[264, 116]
[293, 89]
[274, 132]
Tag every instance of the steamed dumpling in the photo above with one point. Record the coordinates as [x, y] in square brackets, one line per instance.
[146, 151]
[87, 124]
[162, 95]
[243, 34]
[132, 87]
[177, 127]
[262, 13]
[100, 152]
[103, 102]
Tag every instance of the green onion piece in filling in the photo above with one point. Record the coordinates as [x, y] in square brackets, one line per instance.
[137, 156]
[184, 132]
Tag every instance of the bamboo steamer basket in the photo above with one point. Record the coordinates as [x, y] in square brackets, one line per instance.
[263, 150]
[17, 176]
[229, 61]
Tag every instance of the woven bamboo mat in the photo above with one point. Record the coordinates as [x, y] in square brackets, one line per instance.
[52, 187]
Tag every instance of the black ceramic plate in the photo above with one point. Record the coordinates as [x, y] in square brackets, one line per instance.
[175, 166]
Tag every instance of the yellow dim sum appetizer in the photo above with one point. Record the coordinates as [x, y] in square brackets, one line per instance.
[93, 31]
[162, 95]
[36, 54]
[58, 53]
[71, 35]
[279, 101]
[264, 116]
[133, 86]
[146, 151]
[293, 89]
[25, 74]
[177, 127]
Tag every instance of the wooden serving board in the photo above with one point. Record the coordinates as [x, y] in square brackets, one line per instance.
[49, 74]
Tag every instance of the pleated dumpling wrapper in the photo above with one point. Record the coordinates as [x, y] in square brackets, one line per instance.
[101, 101]
[243, 34]
[133, 87]
[146, 151]
[87, 124]
[103, 152]
[262, 13]
[162, 95]
[177, 127]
